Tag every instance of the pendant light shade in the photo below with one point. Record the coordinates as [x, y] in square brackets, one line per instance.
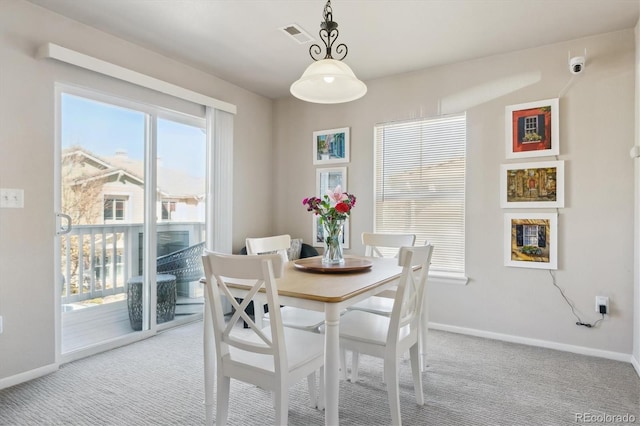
[328, 80]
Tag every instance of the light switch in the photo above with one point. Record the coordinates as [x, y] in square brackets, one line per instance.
[11, 198]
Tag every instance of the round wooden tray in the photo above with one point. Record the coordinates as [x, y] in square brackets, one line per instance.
[351, 264]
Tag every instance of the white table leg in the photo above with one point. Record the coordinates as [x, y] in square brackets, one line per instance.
[332, 364]
[209, 365]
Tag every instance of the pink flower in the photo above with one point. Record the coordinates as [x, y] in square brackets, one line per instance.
[336, 195]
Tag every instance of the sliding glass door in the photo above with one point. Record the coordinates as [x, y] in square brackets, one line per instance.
[132, 185]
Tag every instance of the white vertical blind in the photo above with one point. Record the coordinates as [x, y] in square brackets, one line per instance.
[420, 184]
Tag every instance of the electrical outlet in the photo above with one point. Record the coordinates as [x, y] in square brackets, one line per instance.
[602, 301]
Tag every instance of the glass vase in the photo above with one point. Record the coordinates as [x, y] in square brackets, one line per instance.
[333, 242]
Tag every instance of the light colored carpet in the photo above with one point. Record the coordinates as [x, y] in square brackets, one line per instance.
[469, 381]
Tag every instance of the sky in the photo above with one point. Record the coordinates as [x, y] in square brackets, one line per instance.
[104, 129]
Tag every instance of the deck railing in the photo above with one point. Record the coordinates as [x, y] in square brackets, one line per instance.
[97, 260]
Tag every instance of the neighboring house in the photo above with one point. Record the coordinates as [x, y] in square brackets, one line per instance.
[109, 190]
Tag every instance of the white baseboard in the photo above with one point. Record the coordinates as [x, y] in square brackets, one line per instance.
[636, 364]
[617, 356]
[27, 375]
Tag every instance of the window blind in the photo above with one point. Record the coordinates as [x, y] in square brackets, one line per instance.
[420, 184]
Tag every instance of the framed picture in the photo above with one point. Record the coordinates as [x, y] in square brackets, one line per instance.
[532, 184]
[531, 240]
[331, 146]
[329, 178]
[532, 129]
[318, 234]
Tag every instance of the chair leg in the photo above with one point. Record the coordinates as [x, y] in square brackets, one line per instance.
[311, 383]
[343, 363]
[321, 390]
[422, 340]
[355, 360]
[393, 391]
[414, 353]
[422, 336]
[222, 406]
[282, 405]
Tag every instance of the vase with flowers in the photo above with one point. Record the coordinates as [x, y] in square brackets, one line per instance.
[332, 210]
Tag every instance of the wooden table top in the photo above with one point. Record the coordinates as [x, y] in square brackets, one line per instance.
[329, 287]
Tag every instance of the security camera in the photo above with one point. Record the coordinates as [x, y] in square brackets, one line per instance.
[576, 64]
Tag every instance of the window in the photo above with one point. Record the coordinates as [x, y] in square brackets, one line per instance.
[531, 129]
[531, 235]
[168, 208]
[114, 208]
[531, 124]
[420, 185]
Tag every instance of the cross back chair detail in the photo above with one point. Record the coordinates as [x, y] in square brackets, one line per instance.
[272, 358]
[375, 243]
[291, 317]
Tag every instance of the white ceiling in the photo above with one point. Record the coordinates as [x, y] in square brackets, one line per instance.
[241, 41]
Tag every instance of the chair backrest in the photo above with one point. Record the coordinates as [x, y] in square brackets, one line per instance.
[269, 245]
[375, 243]
[258, 271]
[411, 292]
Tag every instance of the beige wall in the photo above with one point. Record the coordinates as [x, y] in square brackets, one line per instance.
[595, 227]
[274, 145]
[27, 161]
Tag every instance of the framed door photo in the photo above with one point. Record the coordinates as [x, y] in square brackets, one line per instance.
[534, 185]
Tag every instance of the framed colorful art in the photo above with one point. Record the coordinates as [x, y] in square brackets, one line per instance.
[531, 240]
[537, 185]
[532, 129]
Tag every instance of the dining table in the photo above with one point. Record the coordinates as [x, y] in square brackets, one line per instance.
[331, 289]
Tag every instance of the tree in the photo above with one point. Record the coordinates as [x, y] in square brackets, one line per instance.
[81, 196]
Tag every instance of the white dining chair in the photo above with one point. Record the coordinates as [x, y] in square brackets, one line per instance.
[291, 317]
[390, 337]
[380, 245]
[273, 358]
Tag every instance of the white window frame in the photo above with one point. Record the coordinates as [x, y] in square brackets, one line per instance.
[168, 203]
[409, 150]
[115, 199]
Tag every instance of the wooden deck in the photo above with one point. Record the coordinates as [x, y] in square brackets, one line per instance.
[87, 326]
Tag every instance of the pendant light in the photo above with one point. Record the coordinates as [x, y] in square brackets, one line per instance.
[328, 80]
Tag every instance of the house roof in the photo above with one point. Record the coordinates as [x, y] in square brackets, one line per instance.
[172, 183]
